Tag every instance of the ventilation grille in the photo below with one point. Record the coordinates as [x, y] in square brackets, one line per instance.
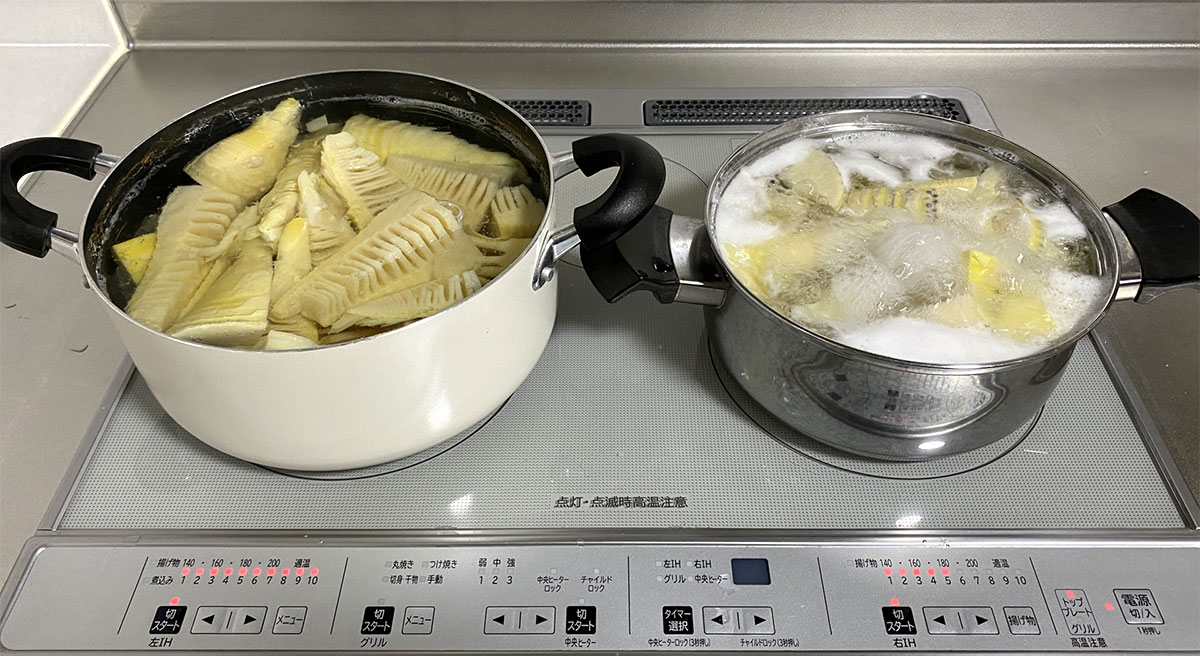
[770, 111]
[576, 113]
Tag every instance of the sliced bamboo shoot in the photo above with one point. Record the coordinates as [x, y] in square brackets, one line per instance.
[503, 176]
[324, 212]
[298, 325]
[469, 191]
[233, 312]
[387, 138]
[352, 334]
[497, 253]
[282, 201]
[194, 218]
[134, 254]
[294, 259]
[357, 175]
[278, 340]
[516, 212]
[415, 303]
[247, 163]
[241, 228]
[398, 244]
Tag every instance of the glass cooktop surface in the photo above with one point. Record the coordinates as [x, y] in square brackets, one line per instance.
[627, 422]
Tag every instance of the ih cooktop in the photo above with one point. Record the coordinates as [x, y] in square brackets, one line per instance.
[628, 496]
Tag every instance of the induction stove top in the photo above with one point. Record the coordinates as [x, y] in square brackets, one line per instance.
[629, 496]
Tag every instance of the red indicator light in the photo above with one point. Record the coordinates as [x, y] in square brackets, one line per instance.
[902, 570]
[312, 572]
[228, 571]
[199, 571]
[184, 571]
[895, 601]
[1070, 594]
[1108, 605]
[285, 571]
[887, 571]
[174, 601]
[299, 571]
[257, 571]
[242, 571]
[931, 571]
[945, 571]
[270, 571]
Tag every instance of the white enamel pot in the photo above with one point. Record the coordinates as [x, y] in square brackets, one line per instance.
[363, 402]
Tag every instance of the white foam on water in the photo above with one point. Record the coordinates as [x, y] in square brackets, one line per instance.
[737, 221]
[777, 160]
[1072, 298]
[919, 154]
[863, 163]
[746, 196]
[919, 340]
[1059, 222]
[893, 159]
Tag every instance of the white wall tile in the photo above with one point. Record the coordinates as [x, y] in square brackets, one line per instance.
[80, 22]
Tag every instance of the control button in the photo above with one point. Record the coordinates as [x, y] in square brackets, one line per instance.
[212, 619]
[899, 620]
[1077, 612]
[738, 620]
[960, 620]
[1138, 606]
[1021, 620]
[377, 620]
[289, 619]
[581, 620]
[248, 619]
[518, 619]
[418, 620]
[167, 620]
[677, 620]
[229, 619]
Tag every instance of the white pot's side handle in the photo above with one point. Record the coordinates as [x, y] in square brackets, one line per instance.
[564, 239]
[1158, 244]
[25, 226]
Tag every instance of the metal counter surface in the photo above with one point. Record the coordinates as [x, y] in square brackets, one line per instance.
[1113, 120]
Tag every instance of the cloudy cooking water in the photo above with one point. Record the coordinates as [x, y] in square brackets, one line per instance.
[897, 281]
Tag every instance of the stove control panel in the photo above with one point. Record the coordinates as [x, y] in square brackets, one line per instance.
[1086, 597]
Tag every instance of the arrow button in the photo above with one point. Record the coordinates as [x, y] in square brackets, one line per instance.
[211, 619]
[249, 619]
[960, 620]
[742, 620]
[518, 619]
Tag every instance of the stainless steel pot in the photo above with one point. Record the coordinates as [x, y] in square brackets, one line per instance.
[870, 404]
[362, 402]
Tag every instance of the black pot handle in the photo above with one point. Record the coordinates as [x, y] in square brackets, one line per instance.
[23, 225]
[1165, 236]
[640, 178]
[624, 237]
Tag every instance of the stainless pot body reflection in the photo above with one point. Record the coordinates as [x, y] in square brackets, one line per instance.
[872, 407]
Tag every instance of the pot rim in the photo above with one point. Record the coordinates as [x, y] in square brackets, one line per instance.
[532, 247]
[851, 120]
